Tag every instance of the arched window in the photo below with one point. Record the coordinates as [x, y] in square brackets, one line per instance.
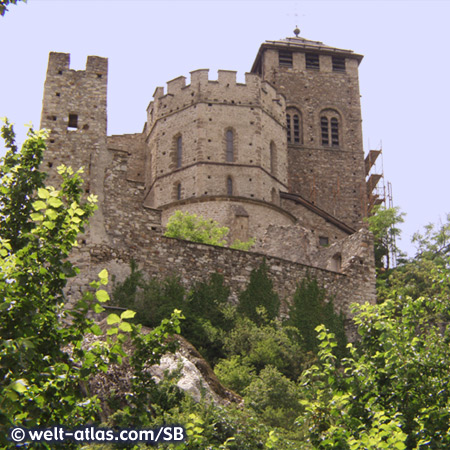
[229, 186]
[294, 126]
[179, 151]
[273, 158]
[329, 128]
[230, 146]
[273, 194]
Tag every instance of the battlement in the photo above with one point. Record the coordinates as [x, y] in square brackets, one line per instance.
[58, 63]
[225, 90]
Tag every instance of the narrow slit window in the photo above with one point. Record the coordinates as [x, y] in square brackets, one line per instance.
[230, 146]
[334, 132]
[324, 131]
[229, 186]
[73, 121]
[312, 61]
[296, 122]
[273, 158]
[285, 58]
[179, 191]
[288, 124]
[179, 152]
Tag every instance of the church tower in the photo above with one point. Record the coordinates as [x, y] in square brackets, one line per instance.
[323, 122]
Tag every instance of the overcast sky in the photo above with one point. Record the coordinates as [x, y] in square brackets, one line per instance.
[404, 76]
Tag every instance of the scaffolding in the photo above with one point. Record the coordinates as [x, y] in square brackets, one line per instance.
[379, 193]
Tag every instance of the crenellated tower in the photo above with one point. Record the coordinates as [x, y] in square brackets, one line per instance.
[218, 148]
[74, 110]
[323, 122]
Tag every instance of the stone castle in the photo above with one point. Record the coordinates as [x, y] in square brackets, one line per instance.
[278, 158]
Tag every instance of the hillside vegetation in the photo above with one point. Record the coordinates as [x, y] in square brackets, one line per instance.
[303, 386]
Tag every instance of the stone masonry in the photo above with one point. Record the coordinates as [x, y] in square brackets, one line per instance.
[278, 158]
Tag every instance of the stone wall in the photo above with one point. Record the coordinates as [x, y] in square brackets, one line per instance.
[161, 257]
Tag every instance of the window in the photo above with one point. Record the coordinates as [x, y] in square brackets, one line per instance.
[230, 145]
[179, 191]
[329, 128]
[229, 186]
[293, 126]
[334, 132]
[273, 158]
[288, 124]
[312, 61]
[323, 241]
[285, 58]
[324, 131]
[273, 194]
[179, 151]
[73, 121]
[338, 63]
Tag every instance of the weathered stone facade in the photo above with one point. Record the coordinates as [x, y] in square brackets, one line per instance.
[278, 158]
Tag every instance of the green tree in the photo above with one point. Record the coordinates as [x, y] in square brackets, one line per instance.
[259, 302]
[383, 225]
[5, 3]
[198, 229]
[44, 368]
[309, 308]
[392, 392]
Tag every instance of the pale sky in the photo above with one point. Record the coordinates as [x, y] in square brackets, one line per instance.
[404, 76]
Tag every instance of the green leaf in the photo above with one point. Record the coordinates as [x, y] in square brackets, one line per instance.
[54, 202]
[98, 309]
[112, 331]
[95, 329]
[128, 314]
[112, 319]
[103, 275]
[43, 193]
[37, 217]
[102, 296]
[125, 326]
[38, 205]
[19, 385]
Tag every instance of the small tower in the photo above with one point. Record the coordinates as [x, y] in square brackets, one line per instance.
[323, 122]
[74, 110]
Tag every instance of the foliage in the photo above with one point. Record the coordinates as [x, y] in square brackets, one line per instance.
[270, 344]
[383, 225]
[415, 276]
[259, 302]
[309, 309]
[394, 387]
[44, 367]
[204, 306]
[235, 372]
[39, 375]
[5, 3]
[205, 231]
[274, 397]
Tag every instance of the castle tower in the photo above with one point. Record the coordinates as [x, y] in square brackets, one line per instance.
[74, 110]
[218, 148]
[323, 122]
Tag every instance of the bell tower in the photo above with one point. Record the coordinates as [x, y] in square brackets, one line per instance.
[323, 122]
